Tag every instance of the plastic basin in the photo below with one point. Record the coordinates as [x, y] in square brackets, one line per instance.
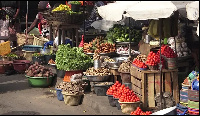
[27, 62]
[49, 57]
[111, 100]
[117, 103]
[39, 81]
[101, 90]
[20, 67]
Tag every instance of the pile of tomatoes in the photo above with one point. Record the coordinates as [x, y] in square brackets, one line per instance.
[152, 59]
[168, 52]
[124, 94]
[138, 111]
[139, 63]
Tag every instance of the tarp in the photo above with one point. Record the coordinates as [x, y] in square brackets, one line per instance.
[114, 11]
[193, 10]
[145, 10]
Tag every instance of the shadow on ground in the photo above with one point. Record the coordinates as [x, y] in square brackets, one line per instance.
[22, 113]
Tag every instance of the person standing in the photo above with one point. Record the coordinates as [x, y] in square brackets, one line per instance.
[11, 20]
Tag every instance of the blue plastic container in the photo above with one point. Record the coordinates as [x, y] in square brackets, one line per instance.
[32, 48]
[59, 94]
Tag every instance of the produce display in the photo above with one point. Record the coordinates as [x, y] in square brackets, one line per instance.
[74, 88]
[109, 60]
[76, 77]
[139, 111]
[141, 57]
[139, 63]
[152, 59]
[97, 72]
[124, 94]
[120, 33]
[125, 50]
[168, 52]
[96, 56]
[62, 7]
[181, 47]
[99, 45]
[72, 58]
[12, 55]
[37, 70]
[125, 66]
[37, 55]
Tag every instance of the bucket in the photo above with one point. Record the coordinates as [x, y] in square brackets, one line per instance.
[72, 100]
[49, 57]
[171, 63]
[39, 59]
[111, 100]
[60, 73]
[97, 64]
[68, 74]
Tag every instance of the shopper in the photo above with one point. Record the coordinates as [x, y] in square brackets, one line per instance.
[10, 23]
[40, 20]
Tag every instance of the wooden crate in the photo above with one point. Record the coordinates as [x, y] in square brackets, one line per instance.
[147, 85]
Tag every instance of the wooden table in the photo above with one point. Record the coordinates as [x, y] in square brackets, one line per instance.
[61, 28]
[116, 75]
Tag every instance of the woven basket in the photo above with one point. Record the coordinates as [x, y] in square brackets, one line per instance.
[63, 16]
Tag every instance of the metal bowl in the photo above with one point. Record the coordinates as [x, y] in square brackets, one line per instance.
[117, 63]
[97, 78]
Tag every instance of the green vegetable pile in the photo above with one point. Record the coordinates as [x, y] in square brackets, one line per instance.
[72, 58]
[75, 2]
[120, 33]
[37, 55]
[12, 55]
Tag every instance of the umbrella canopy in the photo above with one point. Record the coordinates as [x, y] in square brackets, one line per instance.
[114, 11]
[151, 10]
[193, 10]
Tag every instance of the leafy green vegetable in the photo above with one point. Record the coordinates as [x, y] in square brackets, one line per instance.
[12, 55]
[37, 54]
[72, 58]
[121, 33]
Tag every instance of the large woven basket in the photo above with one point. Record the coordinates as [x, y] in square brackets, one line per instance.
[63, 16]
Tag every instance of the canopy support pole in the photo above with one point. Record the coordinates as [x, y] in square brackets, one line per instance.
[129, 24]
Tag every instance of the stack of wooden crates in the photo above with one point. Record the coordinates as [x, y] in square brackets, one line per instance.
[146, 84]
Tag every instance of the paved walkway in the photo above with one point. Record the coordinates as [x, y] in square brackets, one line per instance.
[18, 98]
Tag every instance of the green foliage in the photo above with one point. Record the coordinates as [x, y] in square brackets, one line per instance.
[72, 58]
[75, 2]
[120, 33]
[12, 55]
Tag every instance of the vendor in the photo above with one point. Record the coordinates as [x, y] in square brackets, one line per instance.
[40, 20]
[10, 22]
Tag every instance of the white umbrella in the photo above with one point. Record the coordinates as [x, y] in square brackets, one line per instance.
[193, 10]
[152, 10]
[114, 11]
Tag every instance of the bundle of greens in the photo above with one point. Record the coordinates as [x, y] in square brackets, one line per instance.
[120, 33]
[72, 58]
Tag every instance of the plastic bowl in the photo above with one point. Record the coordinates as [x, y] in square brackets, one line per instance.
[39, 81]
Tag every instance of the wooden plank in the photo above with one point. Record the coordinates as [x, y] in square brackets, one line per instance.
[144, 90]
[136, 82]
[157, 71]
[137, 89]
[114, 72]
[150, 79]
[157, 83]
[167, 84]
[175, 86]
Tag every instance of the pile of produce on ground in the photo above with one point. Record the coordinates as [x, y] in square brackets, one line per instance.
[75, 88]
[125, 50]
[139, 111]
[76, 77]
[72, 58]
[125, 66]
[120, 33]
[124, 94]
[37, 70]
[97, 72]
[99, 45]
